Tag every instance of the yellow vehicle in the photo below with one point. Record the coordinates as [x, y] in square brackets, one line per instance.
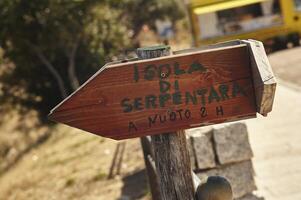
[275, 22]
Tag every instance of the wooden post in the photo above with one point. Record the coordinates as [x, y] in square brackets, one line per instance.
[170, 151]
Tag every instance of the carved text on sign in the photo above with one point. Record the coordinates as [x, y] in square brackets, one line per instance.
[165, 94]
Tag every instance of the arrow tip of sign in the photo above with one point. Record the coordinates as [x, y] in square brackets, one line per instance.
[51, 116]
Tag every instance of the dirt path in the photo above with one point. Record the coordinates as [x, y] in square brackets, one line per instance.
[75, 165]
[287, 65]
[276, 139]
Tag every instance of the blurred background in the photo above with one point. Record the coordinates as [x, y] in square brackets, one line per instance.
[49, 48]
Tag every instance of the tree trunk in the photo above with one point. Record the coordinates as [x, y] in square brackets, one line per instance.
[71, 68]
[53, 71]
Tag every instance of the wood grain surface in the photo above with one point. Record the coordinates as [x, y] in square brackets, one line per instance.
[263, 77]
[165, 94]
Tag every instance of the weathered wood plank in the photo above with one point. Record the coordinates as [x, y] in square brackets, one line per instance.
[165, 94]
[173, 166]
[263, 77]
[210, 47]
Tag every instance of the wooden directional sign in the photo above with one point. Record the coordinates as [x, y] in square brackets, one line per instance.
[186, 90]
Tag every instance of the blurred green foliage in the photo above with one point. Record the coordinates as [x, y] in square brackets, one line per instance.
[55, 45]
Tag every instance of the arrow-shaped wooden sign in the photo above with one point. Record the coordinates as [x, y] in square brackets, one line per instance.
[186, 90]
